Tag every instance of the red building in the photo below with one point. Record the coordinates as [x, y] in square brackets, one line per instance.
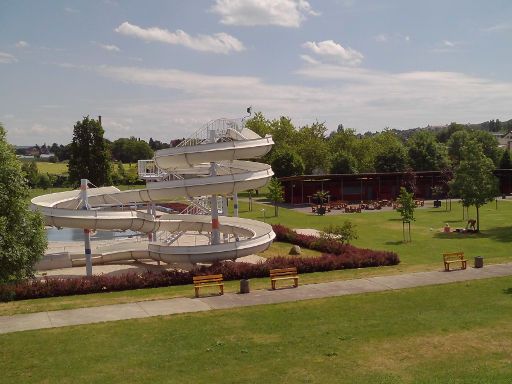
[372, 186]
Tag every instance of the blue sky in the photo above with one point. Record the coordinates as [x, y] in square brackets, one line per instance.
[163, 69]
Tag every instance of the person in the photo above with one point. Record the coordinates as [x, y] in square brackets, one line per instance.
[446, 228]
[471, 224]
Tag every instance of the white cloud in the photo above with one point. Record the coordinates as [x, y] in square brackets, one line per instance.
[381, 38]
[448, 43]
[22, 44]
[217, 43]
[110, 47]
[71, 10]
[407, 38]
[7, 58]
[333, 51]
[498, 27]
[284, 13]
[357, 97]
[308, 59]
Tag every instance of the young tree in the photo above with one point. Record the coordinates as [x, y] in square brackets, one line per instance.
[275, 193]
[90, 156]
[344, 233]
[320, 198]
[31, 173]
[406, 208]
[474, 180]
[22, 237]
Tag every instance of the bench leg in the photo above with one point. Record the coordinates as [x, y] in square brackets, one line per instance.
[221, 289]
[197, 291]
[273, 283]
[296, 282]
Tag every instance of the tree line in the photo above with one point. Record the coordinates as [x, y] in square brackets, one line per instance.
[310, 149]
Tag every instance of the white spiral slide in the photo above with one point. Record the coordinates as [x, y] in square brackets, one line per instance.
[209, 163]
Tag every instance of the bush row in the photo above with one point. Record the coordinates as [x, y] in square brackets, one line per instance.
[345, 257]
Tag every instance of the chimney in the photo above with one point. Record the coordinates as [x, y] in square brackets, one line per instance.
[99, 119]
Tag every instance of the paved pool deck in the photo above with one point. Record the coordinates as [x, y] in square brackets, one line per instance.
[144, 309]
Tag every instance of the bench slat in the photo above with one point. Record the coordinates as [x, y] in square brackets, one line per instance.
[454, 257]
[208, 281]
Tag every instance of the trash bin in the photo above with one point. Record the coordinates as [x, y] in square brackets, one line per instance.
[479, 261]
[244, 286]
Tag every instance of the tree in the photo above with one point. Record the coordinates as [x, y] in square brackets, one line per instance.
[406, 208]
[90, 156]
[474, 181]
[275, 193]
[44, 181]
[286, 162]
[425, 153]
[320, 198]
[313, 148]
[131, 150]
[505, 162]
[344, 233]
[22, 237]
[31, 173]
[390, 152]
[343, 163]
[455, 144]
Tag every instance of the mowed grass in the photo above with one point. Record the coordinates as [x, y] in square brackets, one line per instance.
[457, 333]
[52, 168]
[383, 230]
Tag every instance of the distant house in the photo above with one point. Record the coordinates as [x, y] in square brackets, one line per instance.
[46, 156]
[504, 140]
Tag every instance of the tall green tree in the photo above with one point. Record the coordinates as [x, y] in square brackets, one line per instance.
[90, 155]
[131, 150]
[286, 162]
[275, 194]
[474, 181]
[22, 237]
[390, 152]
[425, 153]
[313, 148]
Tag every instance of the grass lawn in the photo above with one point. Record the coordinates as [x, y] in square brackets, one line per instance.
[383, 230]
[457, 333]
[52, 168]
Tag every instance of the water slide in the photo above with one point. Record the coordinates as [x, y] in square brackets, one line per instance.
[207, 164]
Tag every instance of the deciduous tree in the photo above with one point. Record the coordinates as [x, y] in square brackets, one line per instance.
[90, 156]
[22, 237]
[474, 181]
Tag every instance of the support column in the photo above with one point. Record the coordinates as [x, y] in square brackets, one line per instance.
[153, 212]
[215, 237]
[235, 204]
[87, 232]
[148, 211]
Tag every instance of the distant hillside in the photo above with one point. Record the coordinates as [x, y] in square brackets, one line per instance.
[489, 126]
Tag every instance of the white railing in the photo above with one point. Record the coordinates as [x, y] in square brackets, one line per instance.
[213, 132]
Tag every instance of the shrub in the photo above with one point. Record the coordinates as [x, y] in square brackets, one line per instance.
[336, 256]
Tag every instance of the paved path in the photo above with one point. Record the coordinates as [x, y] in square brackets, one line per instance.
[143, 309]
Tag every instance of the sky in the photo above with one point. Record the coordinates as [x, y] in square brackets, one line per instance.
[163, 68]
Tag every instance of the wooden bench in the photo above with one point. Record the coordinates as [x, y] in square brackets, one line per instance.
[284, 274]
[208, 281]
[454, 257]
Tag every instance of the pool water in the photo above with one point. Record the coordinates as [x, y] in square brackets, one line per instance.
[74, 234]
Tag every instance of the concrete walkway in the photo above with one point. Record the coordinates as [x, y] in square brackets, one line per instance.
[143, 309]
